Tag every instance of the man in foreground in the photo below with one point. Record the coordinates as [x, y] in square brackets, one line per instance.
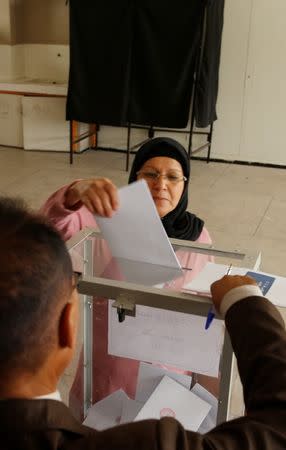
[38, 322]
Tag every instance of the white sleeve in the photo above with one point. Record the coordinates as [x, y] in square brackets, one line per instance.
[236, 294]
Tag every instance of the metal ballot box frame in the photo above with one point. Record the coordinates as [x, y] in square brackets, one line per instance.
[128, 295]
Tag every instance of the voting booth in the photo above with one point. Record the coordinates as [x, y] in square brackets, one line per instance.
[143, 350]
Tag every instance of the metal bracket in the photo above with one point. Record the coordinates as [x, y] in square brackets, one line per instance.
[125, 306]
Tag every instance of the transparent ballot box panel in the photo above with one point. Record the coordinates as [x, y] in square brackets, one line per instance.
[143, 350]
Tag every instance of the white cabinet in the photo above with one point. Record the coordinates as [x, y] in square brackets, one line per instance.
[44, 124]
[11, 127]
[37, 123]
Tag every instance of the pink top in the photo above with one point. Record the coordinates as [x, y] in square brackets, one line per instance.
[109, 372]
[68, 222]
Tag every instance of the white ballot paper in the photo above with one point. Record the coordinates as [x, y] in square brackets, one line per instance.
[174, 400]
[135, 231]
[272, 286]
[107, 412]
[167, 337]
[144, 273]
[149, 376]
[276, 293]
[210, 421]
[210, 273]
[130, 409]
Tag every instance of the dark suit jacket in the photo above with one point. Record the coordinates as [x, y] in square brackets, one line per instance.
[259, 341]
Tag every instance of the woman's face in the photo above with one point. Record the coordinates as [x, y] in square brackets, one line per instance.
[166, 192]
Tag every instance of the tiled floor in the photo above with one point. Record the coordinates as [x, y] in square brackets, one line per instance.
[243, 206]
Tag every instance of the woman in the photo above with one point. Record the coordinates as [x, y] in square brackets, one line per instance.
[165, 166]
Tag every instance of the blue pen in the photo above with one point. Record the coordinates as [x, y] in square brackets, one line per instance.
[211, 313]
[210, 317]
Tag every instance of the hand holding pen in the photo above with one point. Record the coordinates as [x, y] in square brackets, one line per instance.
[212, 312]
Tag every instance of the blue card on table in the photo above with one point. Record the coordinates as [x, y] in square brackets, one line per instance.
[264, 281]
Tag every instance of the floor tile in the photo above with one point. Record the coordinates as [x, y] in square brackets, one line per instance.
[273, 223]
[206, 174]
[228, 210]
[253, 179]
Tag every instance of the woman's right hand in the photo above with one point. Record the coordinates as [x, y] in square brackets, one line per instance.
[99, 195]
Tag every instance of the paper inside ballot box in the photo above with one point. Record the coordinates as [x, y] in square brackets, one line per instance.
[174, 400]
[168, 399]
[107, 412]
[168, 338]
[150, 375]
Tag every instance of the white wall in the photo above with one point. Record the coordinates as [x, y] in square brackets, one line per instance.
[34, 40]
[234, 54]
[252, 98]
[264, 116]
[6, 61]
[47, 62]
[36, 61]
[39, 22]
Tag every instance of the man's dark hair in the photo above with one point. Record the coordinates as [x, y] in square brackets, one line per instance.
[35, 284]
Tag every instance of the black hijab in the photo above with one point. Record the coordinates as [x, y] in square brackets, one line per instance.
[178, 223]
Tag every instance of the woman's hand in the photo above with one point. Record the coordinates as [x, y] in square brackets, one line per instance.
[99, 195]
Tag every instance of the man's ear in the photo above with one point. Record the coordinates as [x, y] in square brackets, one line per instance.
[69, 323]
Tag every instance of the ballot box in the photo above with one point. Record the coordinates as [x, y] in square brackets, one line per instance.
[143, 349]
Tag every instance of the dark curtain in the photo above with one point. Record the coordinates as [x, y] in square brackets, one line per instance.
[100, 52]
[208, 74]
[134, 61]
[166, 41]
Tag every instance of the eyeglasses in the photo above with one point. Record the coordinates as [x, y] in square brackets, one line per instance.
[150, 175]
[76, 277]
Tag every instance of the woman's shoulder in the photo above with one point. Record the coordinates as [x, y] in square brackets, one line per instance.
[204, 237]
